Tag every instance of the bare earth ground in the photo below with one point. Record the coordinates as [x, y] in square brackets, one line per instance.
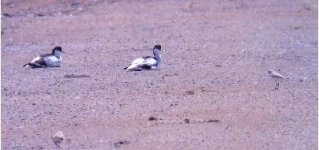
[214, 74]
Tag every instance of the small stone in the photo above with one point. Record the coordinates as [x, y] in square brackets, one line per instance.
[76, 76]
[186, 120]
[75, 4]
[152, 118]
[213, 120]
[277, 86]
[6, 15]
[37, 148]
[308, 8]
[58, 137]
[190, 92]
[39, 15]
[119, 143]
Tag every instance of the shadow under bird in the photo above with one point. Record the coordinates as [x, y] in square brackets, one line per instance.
[148, 62]
[47, 60]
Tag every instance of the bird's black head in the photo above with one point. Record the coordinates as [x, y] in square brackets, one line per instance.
[57, 48]
[157, 47]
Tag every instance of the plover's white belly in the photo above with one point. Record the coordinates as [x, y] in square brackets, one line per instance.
[150, 62]
[143, 63]
[52, 61]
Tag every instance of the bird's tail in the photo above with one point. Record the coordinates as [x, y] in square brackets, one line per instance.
[125, 68]
[26, 65]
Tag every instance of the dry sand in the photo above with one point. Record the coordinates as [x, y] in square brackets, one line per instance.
[212, 91]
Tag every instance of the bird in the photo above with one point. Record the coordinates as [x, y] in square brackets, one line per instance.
[148, 62]
[275, 74]
[47, 60]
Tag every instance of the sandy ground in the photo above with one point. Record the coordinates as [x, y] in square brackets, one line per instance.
[212, 91]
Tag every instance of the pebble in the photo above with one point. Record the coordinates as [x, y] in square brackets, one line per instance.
[58, 137]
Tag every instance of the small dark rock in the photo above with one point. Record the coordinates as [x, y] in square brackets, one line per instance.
[75, 4]
[308, 8]
[33, 104]
[118, 144]
[169, 75]
[218, 65]
[37, 148]
[152, 118]
[39, 15]
[213, 120]
[186, 120]
[190, 92]
[58, 137]
[174, 104]
[277, 86]
[76, 76]
[6, 15]
[297, 27]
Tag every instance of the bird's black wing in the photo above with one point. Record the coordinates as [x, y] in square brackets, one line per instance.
[45, 55]
[39, 63]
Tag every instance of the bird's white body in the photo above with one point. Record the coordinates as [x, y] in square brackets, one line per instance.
[149, 63]
[47, 60]
[275, 74]
[141, 62]
[53, 61]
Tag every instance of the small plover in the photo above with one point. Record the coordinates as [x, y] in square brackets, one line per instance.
[275, 74]
[47, 60]
[148, 62]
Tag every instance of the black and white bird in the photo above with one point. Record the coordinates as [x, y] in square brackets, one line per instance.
[146, 63]
[47, 60]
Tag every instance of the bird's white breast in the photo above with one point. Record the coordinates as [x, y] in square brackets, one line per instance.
[150, 61]
[53, 61]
